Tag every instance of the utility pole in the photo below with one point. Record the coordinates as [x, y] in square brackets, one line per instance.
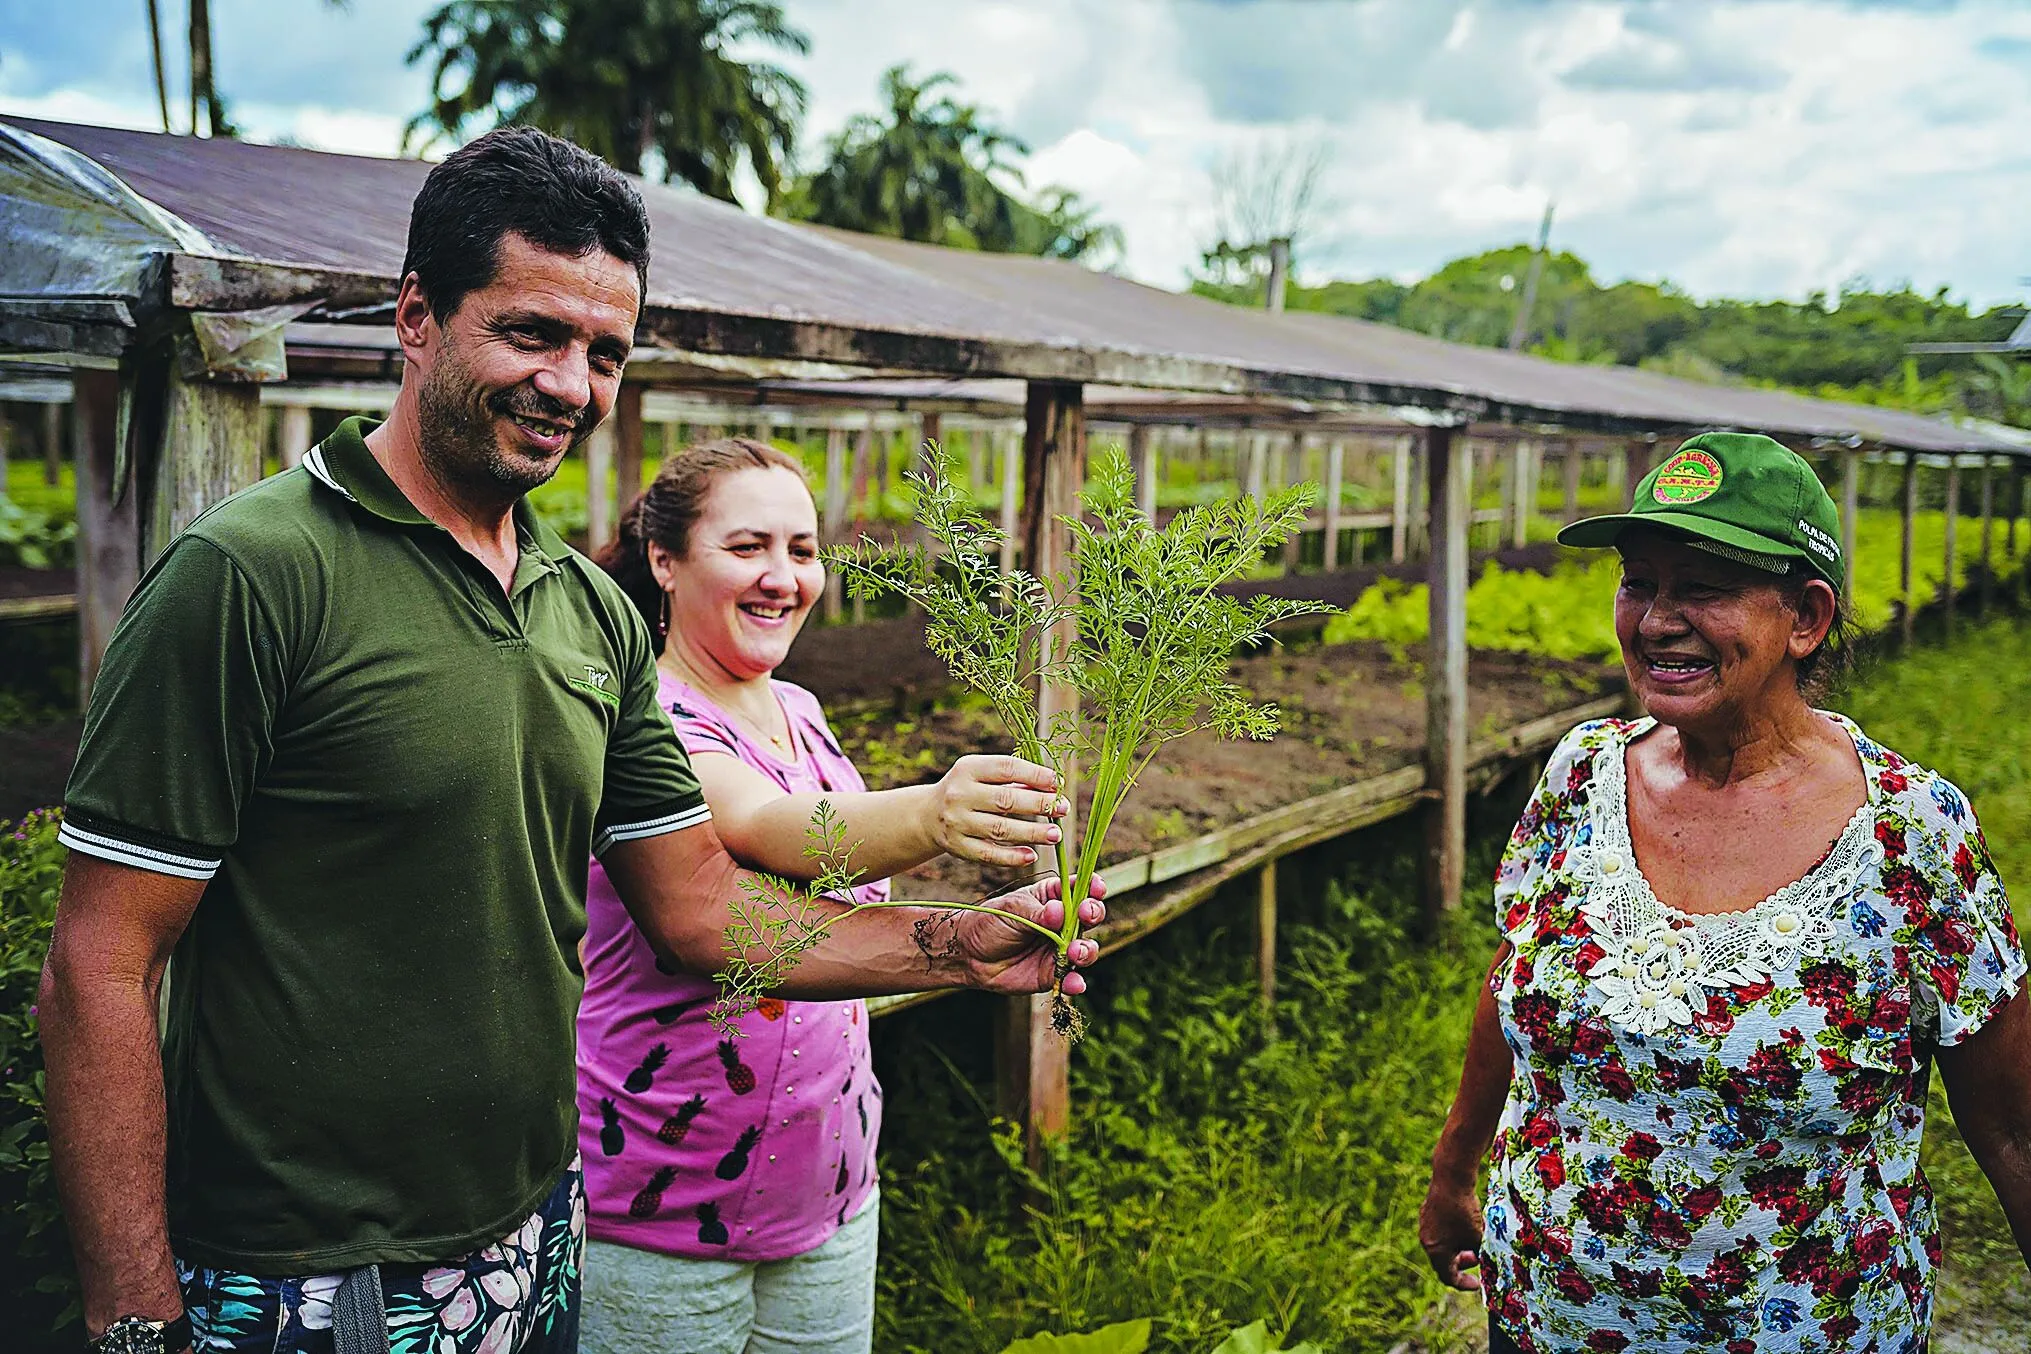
[1521, 330]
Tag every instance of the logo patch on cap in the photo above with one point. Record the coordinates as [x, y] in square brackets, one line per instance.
[1688, 477]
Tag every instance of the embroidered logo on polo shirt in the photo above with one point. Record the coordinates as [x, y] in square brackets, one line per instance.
[598, 682]
[1688, 477]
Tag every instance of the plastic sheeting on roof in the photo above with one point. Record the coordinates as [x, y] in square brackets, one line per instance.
[74, 230]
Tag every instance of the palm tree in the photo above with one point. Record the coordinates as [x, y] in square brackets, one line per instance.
[632, 82]
[1062, 225]
[927, 172]
[208, 116]
[207, 107]
[155, 49]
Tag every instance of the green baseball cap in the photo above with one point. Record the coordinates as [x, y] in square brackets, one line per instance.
[1742, 496]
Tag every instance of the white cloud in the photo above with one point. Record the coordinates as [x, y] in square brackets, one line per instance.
[1745, 147]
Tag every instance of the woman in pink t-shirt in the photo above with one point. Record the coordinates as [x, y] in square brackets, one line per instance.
[730, 1183]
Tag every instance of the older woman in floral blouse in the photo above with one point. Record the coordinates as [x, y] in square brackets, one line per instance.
[1736, 937]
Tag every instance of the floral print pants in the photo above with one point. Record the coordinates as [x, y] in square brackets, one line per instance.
[517, 1296]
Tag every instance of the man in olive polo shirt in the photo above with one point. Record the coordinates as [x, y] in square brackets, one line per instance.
[352, 743]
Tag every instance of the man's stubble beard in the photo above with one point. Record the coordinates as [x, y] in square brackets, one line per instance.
[460, 439]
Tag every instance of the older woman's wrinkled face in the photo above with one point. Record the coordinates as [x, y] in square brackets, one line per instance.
[1705, 639]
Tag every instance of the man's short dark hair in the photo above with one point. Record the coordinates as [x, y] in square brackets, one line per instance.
[553, 194]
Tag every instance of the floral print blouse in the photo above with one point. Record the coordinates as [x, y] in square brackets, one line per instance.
[1711, 1136]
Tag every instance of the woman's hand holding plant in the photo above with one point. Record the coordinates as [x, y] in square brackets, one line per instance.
[995, 810]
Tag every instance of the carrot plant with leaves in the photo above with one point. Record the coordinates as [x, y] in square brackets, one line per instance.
[1137, 627]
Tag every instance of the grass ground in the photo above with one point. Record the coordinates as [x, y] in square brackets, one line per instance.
[1215, 1175]
[1984, 679]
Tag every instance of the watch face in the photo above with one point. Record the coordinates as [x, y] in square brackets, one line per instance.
[131, 1335]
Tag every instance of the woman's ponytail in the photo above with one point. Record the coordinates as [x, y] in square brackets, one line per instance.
[626, 558]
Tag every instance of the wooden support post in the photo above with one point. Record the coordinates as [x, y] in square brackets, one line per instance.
[1907, 621]
[863, 462]
[1571, 460]
[1258, 458]
[629, 453]
[1468, 452]
[1446, 672]
[1851, 499]
[1947, 587]
[292, 435]
[1011, 496]
[930, 433]
[1294, 473]
[1987, 553]
[1336, 456]
[599, 488]
[211, 446]
[52, 443]
[109, 520]
[1142, 459]
[1399, 503]
[1521, 460]
[2015, 495]
[976, 460]
[1265, 945]
[1035, 1072]
[834, 525]
[1636, 464]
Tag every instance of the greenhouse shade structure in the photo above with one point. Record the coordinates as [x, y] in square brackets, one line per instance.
[166, 271]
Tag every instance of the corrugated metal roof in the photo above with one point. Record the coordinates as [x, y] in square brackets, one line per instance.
[1383, 354]
[970, 313]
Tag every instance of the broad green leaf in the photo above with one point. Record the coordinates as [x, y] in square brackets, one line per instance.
[1256, 1339]
[1124, 1337]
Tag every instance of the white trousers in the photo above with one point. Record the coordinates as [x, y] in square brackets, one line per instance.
[820, 1302]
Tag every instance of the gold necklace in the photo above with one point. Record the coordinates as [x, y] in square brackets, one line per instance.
[684, 672]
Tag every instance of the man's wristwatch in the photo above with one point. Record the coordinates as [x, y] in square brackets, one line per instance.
[139, 1335]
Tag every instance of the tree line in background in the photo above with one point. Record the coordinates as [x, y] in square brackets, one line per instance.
[1850, 345]
[683, 91]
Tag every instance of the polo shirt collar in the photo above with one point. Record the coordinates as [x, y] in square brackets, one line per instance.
[343, 464]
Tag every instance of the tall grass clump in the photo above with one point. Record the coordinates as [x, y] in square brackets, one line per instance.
[1981, 684]
[1215, 1174]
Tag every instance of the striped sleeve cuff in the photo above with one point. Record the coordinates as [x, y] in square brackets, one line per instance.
[121, 851]
[689, 816]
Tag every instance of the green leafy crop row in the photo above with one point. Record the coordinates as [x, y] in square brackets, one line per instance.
[1569, 612]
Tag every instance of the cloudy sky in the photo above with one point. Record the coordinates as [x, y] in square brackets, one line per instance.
[1737, 147]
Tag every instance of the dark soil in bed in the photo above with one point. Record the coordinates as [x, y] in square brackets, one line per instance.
[1350, 711]
[885, 661]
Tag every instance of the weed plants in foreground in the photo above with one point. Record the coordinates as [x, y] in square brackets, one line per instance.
[1136, 627]
[1213, 1175]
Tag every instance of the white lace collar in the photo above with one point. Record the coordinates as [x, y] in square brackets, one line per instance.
[1660, 963]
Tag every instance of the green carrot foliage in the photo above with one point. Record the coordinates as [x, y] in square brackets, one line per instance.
[1137, 626]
